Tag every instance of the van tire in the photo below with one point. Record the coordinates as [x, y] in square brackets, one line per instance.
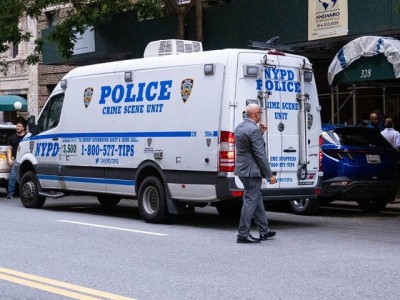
[29, 191]
[372, 206]
[152, 201]
[108, 201]
[304, 206]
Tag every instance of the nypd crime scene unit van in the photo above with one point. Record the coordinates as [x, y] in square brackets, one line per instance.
[160, 129]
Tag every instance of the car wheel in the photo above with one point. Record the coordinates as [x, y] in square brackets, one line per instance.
[108, 201]
[304, 206]
[152, 201]
[372, 206]
[29, 191]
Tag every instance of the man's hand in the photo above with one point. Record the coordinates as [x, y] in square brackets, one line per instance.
[272, 180]
[263, 127]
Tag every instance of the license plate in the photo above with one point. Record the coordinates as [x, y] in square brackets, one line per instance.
[373, 159]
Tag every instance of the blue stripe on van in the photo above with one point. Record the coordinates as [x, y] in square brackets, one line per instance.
[87, 179]
[116, 134]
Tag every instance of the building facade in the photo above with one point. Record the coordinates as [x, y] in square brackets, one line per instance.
[20, 79]
[228, 26]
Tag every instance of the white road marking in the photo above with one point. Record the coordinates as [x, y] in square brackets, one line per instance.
[114, 228]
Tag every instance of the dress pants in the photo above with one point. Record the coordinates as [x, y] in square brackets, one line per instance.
[253, 206]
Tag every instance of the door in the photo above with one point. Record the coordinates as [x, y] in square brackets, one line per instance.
[46, 145]
[278, 99]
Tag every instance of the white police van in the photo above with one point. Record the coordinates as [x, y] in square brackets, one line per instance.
[160, 129]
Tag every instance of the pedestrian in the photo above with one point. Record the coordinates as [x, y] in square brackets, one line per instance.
[13, 143]
[374, 121]
[251, 166]
[390, 134]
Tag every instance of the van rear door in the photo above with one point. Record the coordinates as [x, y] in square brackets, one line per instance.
[286, 136]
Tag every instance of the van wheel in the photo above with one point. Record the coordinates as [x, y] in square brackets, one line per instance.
[152, 201]
[28, 191]
[304, 206]
[108, 201]
[372, 206]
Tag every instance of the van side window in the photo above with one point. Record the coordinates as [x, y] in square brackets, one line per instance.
[51, 113]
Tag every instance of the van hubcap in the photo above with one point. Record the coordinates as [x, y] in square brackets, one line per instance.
[150, 200]
[28, 190]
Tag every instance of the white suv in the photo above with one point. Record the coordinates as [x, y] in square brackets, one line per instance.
[6, 130]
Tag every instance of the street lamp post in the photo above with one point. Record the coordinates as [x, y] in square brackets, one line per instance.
[17, 106]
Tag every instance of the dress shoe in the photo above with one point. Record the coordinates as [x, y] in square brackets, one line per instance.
[249, 239]
[268, 235]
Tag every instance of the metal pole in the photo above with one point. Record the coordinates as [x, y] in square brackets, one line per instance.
[384, 100]
[332, 106]
[354, 105]
[337, 105]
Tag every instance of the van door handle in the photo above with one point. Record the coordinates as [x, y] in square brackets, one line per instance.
[55, 139]
[290, 149]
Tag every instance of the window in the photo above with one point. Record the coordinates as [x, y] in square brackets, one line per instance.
[5, 134]
[14, 47]
[53, 16]
[50, 116]
[360, 137]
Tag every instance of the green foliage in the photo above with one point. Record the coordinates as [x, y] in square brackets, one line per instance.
[10, 11]
[150, 9]
[83, 14]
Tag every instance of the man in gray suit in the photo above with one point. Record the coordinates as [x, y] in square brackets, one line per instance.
[251, 166]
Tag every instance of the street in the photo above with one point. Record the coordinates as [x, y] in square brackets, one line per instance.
[72, 248]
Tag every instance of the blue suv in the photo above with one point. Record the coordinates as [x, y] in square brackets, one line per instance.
[358, 165]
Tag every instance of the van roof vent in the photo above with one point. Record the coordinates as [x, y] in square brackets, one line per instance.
[171, 47]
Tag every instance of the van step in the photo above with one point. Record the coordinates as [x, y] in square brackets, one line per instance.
[52, 194]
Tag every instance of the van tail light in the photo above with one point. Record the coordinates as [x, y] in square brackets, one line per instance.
[226, 151]
[237, 193]
[320, 154]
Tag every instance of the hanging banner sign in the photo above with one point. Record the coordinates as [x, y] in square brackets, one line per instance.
[327, 18]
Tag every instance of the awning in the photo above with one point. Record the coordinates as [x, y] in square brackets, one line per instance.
[367, 58]
[7, 102]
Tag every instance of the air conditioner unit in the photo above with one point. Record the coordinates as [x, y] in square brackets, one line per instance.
[172, 47]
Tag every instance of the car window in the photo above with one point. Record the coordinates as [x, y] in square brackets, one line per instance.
[5, 135]
[360, 137]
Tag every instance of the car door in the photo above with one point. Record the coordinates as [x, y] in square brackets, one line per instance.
[46, 144]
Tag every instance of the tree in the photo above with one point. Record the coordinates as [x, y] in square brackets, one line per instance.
[83, 14]
[180, 10]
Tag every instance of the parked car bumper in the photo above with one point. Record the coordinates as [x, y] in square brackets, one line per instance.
[344, 188]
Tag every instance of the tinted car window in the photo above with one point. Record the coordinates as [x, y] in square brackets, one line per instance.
[4, 136]
[359, 137]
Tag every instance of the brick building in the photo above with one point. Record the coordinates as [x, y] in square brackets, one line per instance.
[49, 75]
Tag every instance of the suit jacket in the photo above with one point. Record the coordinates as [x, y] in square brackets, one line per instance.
[251, 158]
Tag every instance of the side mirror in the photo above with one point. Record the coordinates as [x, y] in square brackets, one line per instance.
[32, 127]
